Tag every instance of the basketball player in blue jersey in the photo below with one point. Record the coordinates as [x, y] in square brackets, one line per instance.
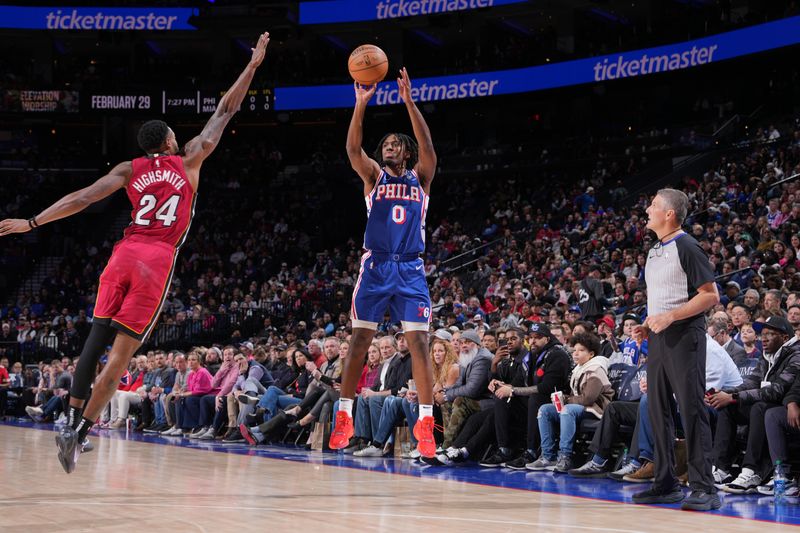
[396, 189]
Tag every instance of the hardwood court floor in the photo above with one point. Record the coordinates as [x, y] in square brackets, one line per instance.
[155, 486]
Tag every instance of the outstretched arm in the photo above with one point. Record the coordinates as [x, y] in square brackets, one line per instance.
[73, 202]
[426, 166]
[199, 148]
[366, 167]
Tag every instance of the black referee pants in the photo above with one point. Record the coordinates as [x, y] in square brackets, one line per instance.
[676, 364]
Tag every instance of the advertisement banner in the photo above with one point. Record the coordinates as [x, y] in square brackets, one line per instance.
[95, 18]
[44, 101]
[632, 64]
[332, 11]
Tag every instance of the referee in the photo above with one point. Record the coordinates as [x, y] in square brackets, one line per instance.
[680, 289]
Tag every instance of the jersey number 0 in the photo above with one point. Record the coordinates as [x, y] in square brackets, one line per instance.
[399, 214]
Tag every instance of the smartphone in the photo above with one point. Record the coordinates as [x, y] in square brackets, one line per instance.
[502, 342]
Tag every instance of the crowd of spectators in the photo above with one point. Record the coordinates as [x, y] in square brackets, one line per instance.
[556, 286]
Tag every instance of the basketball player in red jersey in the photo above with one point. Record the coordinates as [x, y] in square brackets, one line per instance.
[162, 186]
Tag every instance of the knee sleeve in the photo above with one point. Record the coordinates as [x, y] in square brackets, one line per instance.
[100, 336]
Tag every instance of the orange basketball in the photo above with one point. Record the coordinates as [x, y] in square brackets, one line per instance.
[368, 64]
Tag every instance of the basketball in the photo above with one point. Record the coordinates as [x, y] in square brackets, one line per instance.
[368, 64]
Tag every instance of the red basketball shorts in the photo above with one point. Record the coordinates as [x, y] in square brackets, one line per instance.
[133, 287]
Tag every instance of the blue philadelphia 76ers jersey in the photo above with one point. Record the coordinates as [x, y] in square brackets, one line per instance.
[392, 275]
[396, 210]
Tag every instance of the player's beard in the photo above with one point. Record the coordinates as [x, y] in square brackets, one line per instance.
[464, 359]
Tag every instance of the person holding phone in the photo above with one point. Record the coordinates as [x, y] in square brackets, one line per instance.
[521, 384]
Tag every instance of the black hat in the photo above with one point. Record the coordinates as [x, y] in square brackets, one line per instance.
[776, 323]
[540, 329]
[631, 316]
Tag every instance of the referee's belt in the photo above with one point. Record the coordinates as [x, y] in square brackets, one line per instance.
[383, 256]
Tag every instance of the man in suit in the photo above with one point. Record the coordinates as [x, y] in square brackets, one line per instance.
[718, 330]
[466, 394]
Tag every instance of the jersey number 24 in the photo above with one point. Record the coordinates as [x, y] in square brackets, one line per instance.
[165, 213]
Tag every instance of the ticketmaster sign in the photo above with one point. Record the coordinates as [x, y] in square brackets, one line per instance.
[329, 11]
[95, 18]
[668, 58]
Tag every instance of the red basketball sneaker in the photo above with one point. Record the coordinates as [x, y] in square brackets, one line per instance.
[423, 432]
[343, 431]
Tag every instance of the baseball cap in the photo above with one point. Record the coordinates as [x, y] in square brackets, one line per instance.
[607, 320]
[400, 333]
[248, 345]
[575, 309]
[776, 323]
[631, 316]
[540, 329]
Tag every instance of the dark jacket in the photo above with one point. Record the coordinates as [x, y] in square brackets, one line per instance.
[736, 351]
[298, 387]
[793, 395]
[164, 378]
[473, 381]
[511, 370]
[780, 375]
[546, 371]
[397, 376]
[283, 374]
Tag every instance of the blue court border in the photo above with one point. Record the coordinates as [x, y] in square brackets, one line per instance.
[752, 507]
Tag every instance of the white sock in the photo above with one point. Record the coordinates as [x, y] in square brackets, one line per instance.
[346, 405]
[464, 453]
[425, 410]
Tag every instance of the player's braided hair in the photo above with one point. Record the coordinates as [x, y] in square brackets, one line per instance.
[409, 145]
[152, 135]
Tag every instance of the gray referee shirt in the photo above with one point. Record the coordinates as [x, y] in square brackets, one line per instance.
[674, 272]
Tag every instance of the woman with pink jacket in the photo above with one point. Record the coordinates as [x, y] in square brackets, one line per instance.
[213, 407]
[198, 384]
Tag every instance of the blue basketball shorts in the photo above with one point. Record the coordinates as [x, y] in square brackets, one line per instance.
[390, 282]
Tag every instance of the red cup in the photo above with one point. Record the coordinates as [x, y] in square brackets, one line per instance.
[558, 400]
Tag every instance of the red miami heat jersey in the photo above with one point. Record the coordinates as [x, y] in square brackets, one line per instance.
[162, 199]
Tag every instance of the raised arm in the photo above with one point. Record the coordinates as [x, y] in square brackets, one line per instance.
[426, 165]
[73, 202]
[200, 147]
[366, 167]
